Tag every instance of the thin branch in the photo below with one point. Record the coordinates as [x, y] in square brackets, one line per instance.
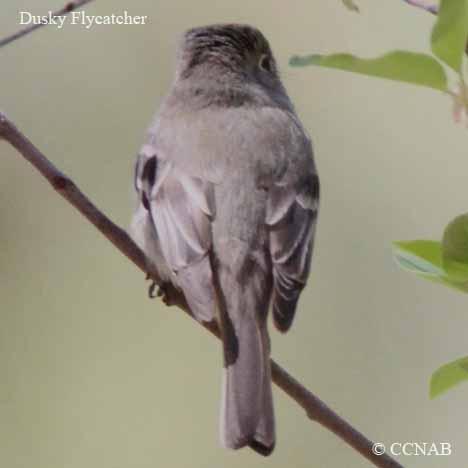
[316, 409]
[68, 8]
[434, 9]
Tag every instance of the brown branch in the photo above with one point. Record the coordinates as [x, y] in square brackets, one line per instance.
[316, 409]
[68, 8]
[434, 9]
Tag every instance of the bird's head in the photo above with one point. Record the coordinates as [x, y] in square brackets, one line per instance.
[226, 49]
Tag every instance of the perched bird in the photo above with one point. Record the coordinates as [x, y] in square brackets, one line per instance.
[228, 198]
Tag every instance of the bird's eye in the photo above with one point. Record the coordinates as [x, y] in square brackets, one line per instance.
[265, 63]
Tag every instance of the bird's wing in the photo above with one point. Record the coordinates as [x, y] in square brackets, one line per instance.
[181, 209]
[291, 217]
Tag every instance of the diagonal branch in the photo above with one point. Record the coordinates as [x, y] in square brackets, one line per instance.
[68, 8]
[316, 409]
[434, 9]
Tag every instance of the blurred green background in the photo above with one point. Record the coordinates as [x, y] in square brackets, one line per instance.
[94, 374]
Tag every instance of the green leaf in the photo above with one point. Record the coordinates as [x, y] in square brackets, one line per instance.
[448, 376]
[350, 5]
[455, 249]
[424, 258]
[450, 32]
[399, 65]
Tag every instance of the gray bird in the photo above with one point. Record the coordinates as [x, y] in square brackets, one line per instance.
[228, 200]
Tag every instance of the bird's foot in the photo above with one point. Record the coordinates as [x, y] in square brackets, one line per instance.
[164, 291]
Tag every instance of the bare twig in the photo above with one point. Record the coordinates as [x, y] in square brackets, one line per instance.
[434, 9]
[316, 409]
[68, 8]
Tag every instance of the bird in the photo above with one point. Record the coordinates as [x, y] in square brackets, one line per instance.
[227, 202]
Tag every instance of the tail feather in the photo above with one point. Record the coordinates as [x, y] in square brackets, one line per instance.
[264, 439]
[247, 405]
[243, 290]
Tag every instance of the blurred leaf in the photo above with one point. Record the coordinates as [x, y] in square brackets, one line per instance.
[399, 65]
[456, 272]
[448, 376]
[455, 249]
[450, 32]
[350, 5]
[455, 239]
[424, 258]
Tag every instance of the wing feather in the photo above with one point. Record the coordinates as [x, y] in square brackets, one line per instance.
[179, 207]
[291, 215]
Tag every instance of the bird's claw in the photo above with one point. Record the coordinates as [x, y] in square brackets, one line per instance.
[162, 291]
[151, 289]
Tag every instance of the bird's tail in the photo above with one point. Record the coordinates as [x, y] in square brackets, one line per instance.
[247, 404]
[243, 289]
